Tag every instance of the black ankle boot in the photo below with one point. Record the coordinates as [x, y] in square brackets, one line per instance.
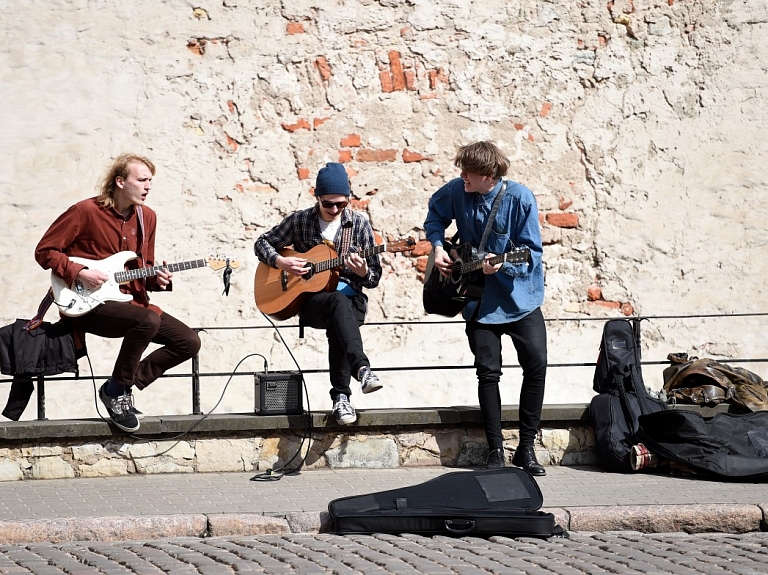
[495, 459]
[525, 457]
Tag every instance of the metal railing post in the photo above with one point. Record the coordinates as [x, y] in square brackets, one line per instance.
[196, 385]
[41, 397]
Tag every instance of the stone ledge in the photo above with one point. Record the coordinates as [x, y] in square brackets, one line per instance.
[555, 415]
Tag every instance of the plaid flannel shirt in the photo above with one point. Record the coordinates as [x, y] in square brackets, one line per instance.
[301, 231]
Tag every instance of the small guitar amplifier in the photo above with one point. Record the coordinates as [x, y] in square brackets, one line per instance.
[279, 393]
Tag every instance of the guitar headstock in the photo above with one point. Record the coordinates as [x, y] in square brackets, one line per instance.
[401, 245]
[518, 255]
[220, 262]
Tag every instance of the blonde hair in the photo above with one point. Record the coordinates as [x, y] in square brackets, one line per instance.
[106, 197]
[483, 158]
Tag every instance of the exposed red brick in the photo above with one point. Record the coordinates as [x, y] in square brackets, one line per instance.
[405, 31]
[594, 293]
[564, 204]
[317, 122]
[301, 124]
[421, 264]
[357, 42]
[226, 199]
[409, 157]
[351, 141]
[377, 239]
[579, 44]
[627, 309]
[360, 205]
[368, 155]
[410, 80]
[231, 106]
[530, 137]
[294, 28]
[519, 126]
[196, 46]
[323, 67]
[602, 41]
[386, 81]
[239, 188]
[231, 143]
[422, 248]
[345, 156]
[396, 66]
[428, 96]
[303, 173]
[545, 108]
[563, 220]
[435, 77]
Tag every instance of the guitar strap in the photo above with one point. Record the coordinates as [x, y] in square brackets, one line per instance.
[346, 240]
[491, 218]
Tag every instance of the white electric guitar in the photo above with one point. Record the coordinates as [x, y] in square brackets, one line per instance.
[79, 299]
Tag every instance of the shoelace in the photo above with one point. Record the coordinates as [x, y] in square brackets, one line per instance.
[124, 402]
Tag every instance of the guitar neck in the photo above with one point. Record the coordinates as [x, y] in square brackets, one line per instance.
[513, 257]
[339, 260]
[128, 275]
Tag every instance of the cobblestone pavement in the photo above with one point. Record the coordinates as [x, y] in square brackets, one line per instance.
[582, 553]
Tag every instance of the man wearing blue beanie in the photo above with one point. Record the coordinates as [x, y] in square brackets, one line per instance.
[342, 311]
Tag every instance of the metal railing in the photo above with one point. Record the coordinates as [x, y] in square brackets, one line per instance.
[196, 376]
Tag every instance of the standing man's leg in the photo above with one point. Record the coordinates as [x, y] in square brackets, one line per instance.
[485, 344]
[529, 336]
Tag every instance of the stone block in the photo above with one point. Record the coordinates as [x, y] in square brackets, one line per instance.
[233, 524]
[370, 454]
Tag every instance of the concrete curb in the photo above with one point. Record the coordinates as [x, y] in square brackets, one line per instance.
[723, 518]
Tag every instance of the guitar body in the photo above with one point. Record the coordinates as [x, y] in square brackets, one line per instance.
[448, 295]
[78, 299]
[280, 295]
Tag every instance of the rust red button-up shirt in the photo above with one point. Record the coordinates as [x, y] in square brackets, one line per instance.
[86, 230]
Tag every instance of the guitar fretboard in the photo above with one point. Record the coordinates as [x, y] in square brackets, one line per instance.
[518, 256]
[128, 275]
[339, 260]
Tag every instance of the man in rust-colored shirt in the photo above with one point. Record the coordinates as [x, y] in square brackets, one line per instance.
[116, 221]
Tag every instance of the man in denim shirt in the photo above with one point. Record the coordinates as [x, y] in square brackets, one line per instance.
[339, 312]
[513, 294]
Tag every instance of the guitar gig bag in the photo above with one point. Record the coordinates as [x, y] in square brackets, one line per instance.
[479, 503]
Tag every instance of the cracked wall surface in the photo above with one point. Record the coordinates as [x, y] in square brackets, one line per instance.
[638, 125]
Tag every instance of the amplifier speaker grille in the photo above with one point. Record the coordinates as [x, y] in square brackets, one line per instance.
[278, 393]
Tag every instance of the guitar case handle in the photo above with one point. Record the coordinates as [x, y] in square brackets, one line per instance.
[459, 526]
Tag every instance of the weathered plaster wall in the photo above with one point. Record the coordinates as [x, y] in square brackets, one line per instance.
[638, 124]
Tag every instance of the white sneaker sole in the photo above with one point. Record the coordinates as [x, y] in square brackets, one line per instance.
[346, 420]
[371, 388]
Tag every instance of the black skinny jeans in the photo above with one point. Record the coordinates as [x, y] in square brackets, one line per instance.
[341, 317]
[529, 336]
[139, 327]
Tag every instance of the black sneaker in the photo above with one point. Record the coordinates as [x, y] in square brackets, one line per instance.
[118, 409]
[132, 408]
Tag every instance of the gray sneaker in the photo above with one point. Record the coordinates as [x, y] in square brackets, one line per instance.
[131, 407]
[119, 410]
[369, 381]
[343, 411]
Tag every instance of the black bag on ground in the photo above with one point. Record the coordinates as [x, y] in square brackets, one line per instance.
[622, 396]
[728, 445]
[483, 503]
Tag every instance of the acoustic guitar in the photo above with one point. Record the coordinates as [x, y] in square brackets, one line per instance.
[448, 295]
[280, 294]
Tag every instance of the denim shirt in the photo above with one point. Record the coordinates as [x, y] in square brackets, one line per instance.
[516, 289]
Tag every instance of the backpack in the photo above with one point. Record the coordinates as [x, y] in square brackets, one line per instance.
[622, 396]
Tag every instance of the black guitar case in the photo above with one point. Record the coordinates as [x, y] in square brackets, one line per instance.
[481, 503]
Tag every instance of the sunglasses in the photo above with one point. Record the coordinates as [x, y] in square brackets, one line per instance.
[339, 205]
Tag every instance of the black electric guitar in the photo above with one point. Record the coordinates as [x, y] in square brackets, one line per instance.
[448, 295]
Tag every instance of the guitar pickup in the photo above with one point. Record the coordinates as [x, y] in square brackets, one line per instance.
[284, 280]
